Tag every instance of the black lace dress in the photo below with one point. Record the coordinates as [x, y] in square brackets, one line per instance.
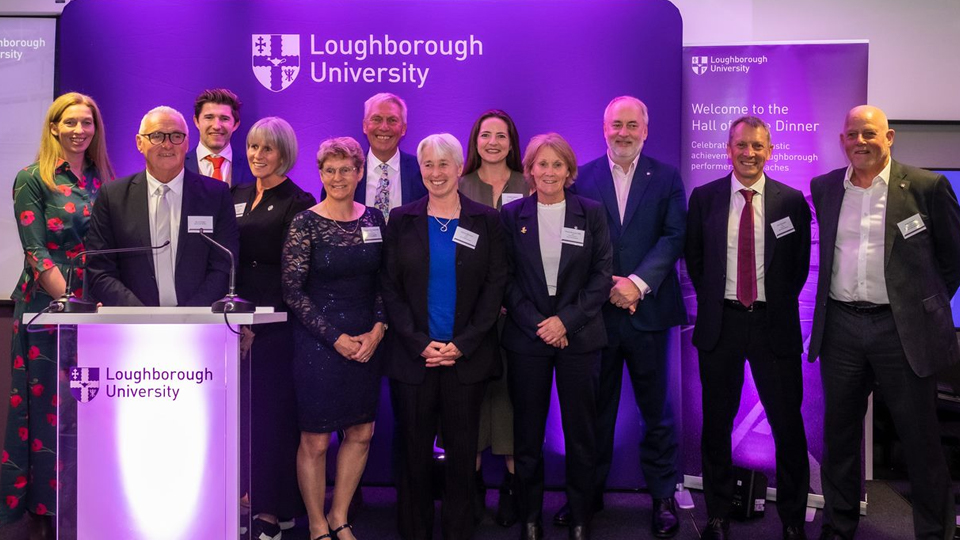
[330, 283]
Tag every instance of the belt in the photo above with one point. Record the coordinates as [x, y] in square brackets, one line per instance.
[735, 304]
[864, 308]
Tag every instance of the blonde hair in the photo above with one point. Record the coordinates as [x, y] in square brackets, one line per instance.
[51, 151]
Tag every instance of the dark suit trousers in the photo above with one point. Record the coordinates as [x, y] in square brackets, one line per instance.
[646, 356]
[862, 352]
[441, 397]
[530, 382]
[779, 383]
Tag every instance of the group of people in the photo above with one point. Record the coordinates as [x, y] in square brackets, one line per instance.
[471, 282]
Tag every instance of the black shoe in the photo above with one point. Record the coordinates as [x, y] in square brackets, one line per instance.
[827, 533]
[665, 523]
[716, 529]
[579, 532]
[479, 499]
[531, 531]
[264, 530]
[507, 505]
[794, 532]
[563, 517]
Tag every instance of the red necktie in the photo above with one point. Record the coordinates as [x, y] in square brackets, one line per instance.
[746, 257]
[217, 162]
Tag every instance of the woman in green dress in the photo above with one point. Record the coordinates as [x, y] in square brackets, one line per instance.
[52, 200]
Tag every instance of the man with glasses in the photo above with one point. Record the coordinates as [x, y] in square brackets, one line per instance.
[163, 205]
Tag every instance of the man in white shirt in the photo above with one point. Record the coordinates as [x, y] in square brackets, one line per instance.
[216, 113]
[889, 265]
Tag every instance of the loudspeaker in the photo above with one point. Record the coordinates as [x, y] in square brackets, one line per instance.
[749, 494]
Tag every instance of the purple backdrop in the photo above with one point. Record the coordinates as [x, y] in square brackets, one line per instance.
[803, 91]
[552, 64]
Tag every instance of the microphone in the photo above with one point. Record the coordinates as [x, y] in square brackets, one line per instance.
[231, 303]
[69, 303]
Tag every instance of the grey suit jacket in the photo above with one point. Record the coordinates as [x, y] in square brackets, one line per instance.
[922, 272]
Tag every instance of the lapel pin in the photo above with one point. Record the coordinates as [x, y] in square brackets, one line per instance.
[903, 186]
[649, 173]
[523, 230]
[269, 208]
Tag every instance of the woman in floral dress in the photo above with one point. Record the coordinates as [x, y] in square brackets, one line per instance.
[52, 200]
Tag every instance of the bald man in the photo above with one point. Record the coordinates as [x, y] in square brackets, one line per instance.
[889, 265]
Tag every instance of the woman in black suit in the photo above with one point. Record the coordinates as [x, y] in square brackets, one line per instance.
[561, 266]
[445, 269]
[264, 211]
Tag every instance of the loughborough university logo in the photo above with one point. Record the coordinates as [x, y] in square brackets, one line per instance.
[276, 60]
[699, 64]
[84, 383]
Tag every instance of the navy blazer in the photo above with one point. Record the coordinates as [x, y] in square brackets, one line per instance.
[786, 261]
[650, 240]
[240, 168]
[481, 277]
[922, 272]
[583, 279]
[411, 183]
[121, 220]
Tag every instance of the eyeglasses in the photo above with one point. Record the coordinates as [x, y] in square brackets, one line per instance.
[157, 137]
[330, 172]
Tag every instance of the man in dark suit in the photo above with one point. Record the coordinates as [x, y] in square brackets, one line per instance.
[748, 255]
[889, 264]
[216, 113]
[389, 177]
[158, 206]
[646, 214]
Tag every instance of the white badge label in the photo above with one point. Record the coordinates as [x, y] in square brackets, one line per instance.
[239, 208]
[782, 227]
[506, 198]
[912, 225]
[195, 223]
[574, 237]
[371, 235]
[466, 238]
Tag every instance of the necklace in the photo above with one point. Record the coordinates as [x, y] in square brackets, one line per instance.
[445, 226]
[344, 231]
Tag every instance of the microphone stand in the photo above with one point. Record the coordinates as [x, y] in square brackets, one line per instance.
[231, 303]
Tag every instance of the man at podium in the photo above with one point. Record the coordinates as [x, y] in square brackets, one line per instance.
[161, 210]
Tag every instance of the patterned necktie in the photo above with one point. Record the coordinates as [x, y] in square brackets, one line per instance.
[746, 253]
[217, 163]
[382, 200]
[166, 285]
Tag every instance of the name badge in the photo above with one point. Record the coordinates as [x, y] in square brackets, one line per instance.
[466, 238]
[506, 198]
[195, 223]
[912, 225]
[371, 235]
[782, 227]
[574, 237]
[239, 208]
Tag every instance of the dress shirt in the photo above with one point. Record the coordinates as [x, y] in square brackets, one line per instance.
[206, 168]
[859, 252]
[373, 179]
[175, 200]
[737, 202]
[622, 180]
[549, 227]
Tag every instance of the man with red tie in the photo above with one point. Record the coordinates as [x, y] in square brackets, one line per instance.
[216, 113]
[748, 255]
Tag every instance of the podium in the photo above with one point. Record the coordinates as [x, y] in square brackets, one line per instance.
[149, 417]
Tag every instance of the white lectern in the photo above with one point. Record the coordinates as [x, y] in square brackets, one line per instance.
[149, 422]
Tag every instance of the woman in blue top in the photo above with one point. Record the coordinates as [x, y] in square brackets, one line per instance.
[443, 280]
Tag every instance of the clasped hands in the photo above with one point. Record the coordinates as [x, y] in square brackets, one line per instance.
[360, 348]
[439, 354]
[552, 331]
[624, 294]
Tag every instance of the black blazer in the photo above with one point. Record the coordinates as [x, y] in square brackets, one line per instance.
[411, 182]
[481, 276]
[583, 280]
[239, 172]
[922, 272]
[121, 219]
[786, 261]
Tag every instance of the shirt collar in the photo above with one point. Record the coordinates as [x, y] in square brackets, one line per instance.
[203, 152]
[630, 171]
[393, 163]
[175, 185]
[884, 175]
[736, 186]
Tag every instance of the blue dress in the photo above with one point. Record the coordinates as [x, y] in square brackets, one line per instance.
[331, 285]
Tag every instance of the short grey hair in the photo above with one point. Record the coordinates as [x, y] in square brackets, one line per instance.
[443, 144]
[633, 100]
[278, 133]
[382, 97]
[340, 147]
[162, 109]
